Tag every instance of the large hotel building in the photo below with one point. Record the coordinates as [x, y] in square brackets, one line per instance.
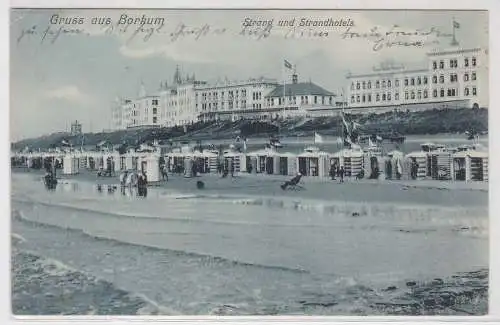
[453, 78]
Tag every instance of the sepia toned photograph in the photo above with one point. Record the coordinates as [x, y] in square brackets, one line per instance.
[224, 162]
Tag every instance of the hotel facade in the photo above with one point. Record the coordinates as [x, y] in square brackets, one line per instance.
[453, 78]
[188, 101]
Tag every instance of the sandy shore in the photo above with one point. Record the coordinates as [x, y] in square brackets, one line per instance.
[444, 193]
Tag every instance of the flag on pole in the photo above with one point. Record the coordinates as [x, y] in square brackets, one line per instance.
[288, 65]
[318, 138]
[456, 24]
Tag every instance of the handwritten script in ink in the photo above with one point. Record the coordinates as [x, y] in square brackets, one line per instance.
[395, 37]
[141, 28]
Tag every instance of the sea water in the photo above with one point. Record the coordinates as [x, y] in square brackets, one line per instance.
[195, 253]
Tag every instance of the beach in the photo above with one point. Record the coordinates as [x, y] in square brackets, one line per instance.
[243, 246]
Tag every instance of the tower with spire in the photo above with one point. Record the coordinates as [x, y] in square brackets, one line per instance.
[177, 76]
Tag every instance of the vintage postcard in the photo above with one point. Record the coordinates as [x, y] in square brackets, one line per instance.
[249, 162]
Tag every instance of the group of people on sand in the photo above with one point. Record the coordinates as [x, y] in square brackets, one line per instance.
[226, 167]
[336, 171]
[132, 179]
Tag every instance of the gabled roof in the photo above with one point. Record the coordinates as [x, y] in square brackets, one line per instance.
[299, 89]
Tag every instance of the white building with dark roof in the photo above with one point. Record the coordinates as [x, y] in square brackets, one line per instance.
[300, 99]
[233, 100]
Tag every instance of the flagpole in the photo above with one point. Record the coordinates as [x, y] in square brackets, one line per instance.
[343, 101]
[284, 88]
[454, 40]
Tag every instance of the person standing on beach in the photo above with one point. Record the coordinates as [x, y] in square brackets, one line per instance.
[333, 171]
[341, 174]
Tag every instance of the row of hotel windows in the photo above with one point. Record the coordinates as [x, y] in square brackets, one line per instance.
[454, 77]
[303, 100]
[388, 83]
[230, 105]
[453, 63]
[256, 95]
[214, 96]
[418, 95]
[413, 81]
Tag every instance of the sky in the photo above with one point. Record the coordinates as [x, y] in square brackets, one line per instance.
[61, 72]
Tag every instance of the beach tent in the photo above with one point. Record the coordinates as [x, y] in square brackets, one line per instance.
[151, 163]
[286, 163]
[470, 166]
[351, 159]
[416, 165]
[116, 162]
[395, 164]
[71, 165]
[261, 160]
[207, 161]
[236, 158]
[313, 162]
[373, 163]
[440, 165]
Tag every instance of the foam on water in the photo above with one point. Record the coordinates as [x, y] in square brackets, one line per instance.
[240, 254]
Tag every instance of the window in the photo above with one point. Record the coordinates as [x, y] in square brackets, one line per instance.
[426, 94]
[363, 98]
[412, 95]
[434, 65]
[396, 96]
[419, 81]
[352, 87]
[357, 99]
[389, 96]
[466, 62]
[358, 86]
[383, 97]
[413, 81]
[406, 95]
[369, 85]
[473, 61]
[449, 92]
[406, 81]
[383, 83]
[154, 110]
[378, 97]
[377, 84]
[369, 97]
[364, 85]
[466, 91]
[451, 63]
[397, 82]
[315, 99]
[473, 76]
[442, 92]
[419, 94]
[154, 102]
[435, 79]
[466, 77]
[474, 91]
[441, 79]
[435, 93]
[389, 83]
[441, 64]
[425, 80]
